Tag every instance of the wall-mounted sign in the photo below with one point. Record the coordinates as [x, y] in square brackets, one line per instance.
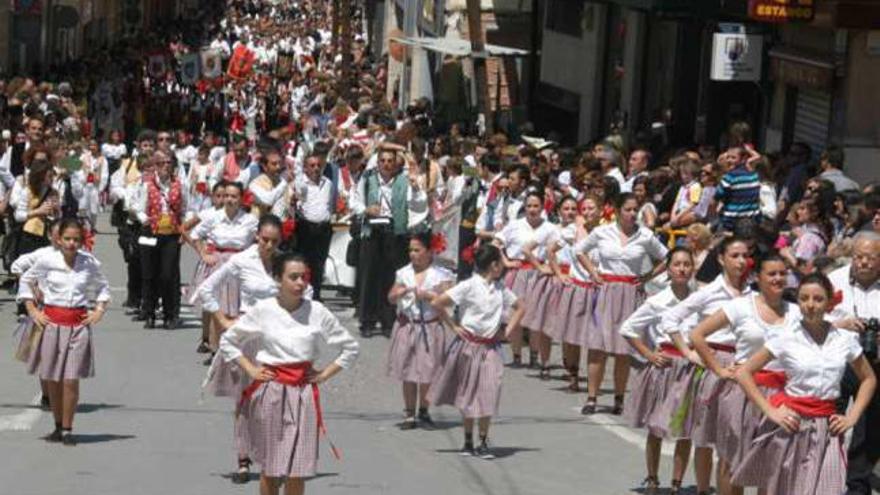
[800, 74]
[781, 10]
[736, 57]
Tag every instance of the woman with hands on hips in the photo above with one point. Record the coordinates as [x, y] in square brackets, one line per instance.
[799, 446]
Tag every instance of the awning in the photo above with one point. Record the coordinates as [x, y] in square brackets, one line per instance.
[458, 47]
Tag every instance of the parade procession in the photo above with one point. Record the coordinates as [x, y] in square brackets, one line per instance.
[440, 246]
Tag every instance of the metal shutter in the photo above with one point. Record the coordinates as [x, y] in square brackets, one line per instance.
[812, 118]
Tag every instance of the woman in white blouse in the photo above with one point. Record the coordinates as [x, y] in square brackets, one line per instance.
[418, 340]
[67, 278]
[650, 403]
[286, 331]
[701, 387]
[798, 448]
[524, 241]
[216, 239]
[620, 251]
[752, 319]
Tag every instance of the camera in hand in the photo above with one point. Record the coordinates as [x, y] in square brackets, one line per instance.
[868, 338]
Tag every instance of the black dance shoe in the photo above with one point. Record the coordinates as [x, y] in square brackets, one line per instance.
[424, 419]
[53, 437]
[484, 452]
[243, 475]
[172, 323]
[589, 408]
[44, 402]
[203, 348]
[467, 450]
[150, 322]
[617, 410]
[68, 439]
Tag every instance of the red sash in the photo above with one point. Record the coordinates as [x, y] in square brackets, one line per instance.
[722, 347]
[404, 320]
[810, 407]
[671, 350]
[623, 279]
[214, 249]
[476, 339]
[770, 379]
[67, 317]
[524, 265]
[294, 375]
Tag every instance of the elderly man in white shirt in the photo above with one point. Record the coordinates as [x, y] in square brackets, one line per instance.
[859, 308]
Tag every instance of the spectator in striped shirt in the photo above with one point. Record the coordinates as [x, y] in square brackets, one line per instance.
[739, 192]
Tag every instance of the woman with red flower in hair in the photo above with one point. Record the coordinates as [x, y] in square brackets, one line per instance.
[418, 341]
[202, 178]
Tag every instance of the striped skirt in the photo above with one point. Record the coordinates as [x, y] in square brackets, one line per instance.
[538, 293]
[229, 293]
[518, 281]
[282, 427]
[672, 417]
[415, 356]
[63, 353]
[647, 401]
[571, 311]
[738, 421]
[615, 302]
[470, 379]
[705, 407]
[808, 462]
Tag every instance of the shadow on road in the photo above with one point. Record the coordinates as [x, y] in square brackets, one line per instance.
[82, 438]
[88, 408]
[500, 452]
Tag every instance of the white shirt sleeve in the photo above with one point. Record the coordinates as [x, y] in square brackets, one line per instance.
[636, 326]
[338, 337]
[270, 197]
[245, 329]
[672, 320]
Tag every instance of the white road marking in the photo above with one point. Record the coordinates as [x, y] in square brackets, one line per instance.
[25, 420]
[624, 432]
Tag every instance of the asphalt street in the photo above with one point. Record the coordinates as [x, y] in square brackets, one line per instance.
[144, 428]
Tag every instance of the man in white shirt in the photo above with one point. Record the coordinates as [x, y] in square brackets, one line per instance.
[638, 167]
[611, 162]
[859, 309]
[314, 196]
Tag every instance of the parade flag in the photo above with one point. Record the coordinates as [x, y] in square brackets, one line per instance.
[189, 68]
[242, 62]
[212, 64]
[156, 66]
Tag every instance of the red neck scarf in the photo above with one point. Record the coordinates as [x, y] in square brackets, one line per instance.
[174, 202]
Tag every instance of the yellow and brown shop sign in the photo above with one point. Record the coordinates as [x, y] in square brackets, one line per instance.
[781, 10]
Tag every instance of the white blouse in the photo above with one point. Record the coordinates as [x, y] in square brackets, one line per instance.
[618, 258]
[645, 321]
[229, 233]
[702, 303]
[519, 233]
[285, 337]
[482, 304]
[64, 286]
[750, 330]
[408, 305]
[24, 262]
[814, 370]
[567, 239]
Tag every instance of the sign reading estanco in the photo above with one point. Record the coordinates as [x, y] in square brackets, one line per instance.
[781, 10]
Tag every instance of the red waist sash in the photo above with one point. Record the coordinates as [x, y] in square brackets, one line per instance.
[622, 279]
[68, 317]
[810, 407]
[722, 347]
[215, 249]
[405, 320]
[770, 379]
[670, 350]
[565, 269]
[294, 375]
[476, 339]
[524, 265]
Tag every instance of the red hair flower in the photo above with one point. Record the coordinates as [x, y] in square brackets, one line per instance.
[438, 243]
[90, 179]
[467, 254]
[247, 199]
[288, 228]
[202, 188]
[88, 240]
[747, 272]
[836, 299]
